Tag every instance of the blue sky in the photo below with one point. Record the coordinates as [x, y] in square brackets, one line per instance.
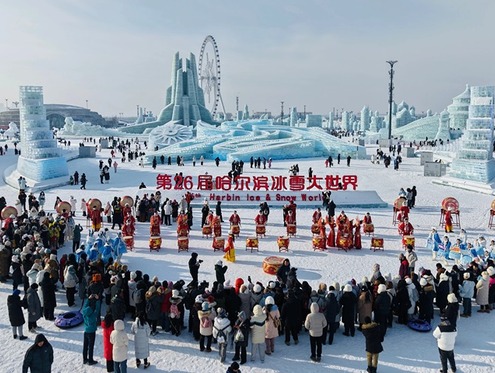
[319, 53]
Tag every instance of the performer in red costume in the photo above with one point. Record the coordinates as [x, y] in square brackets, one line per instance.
[235, 219]
[448, 221]
[260, 219]
[217, 226]
[316, 216]
[403, 212]
[405, 228]
[182, 226]
[127, 210]
[290, 218]
[155, 221]
[95, 219]
[331, 234]
[357, 233]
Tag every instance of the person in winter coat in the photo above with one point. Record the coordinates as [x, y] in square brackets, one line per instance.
[364, 305]
[39, 357]
[315, 323]
[443, 290]
[426, 296]
[466, 291]
[241, 334]
[413, 297]
[257, 325]
[91, 315]
[482, 287]
[381, 308]
[221, 329]
[141, 331]
[412, 258]
[348, 303]
[332, 313]
[206, 318]
[49, 300]
[404, 266]
[220, 270]
[120, 342]
[16, 316]
[291, 317]
[271, 325]
[373, 336]
[70, 283]
[153, 308]
[452, 310]
[446, 335]
[34, 307]
[283, 272]
[107, 329]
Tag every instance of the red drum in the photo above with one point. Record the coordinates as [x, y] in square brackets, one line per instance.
[319, 243]
[291, 229]
[283, 243]
[129, 242]
[182, 232]
[345, 242]
[408, 240]
[368, 228]
[260, 230]
[235, 230]
[217, 231]
[218, 243]
[183, 243]
[376, 243]
[252, 243]
[206, 230]
[315, 229]
[271, 264]
[155, 243]
[9, 210]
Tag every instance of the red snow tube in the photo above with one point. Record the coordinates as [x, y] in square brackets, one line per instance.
[419, 325]
[69, 320]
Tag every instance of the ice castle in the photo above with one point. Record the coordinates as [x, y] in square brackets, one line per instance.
[475, 160]
[40, 157]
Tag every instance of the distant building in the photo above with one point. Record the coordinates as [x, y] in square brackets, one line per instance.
[56, 114]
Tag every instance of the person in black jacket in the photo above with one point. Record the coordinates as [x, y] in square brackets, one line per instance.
[16, 316]
[381, 307]
[452, 309]
[220, 270]
[242, 324]
[426, 297]
[283, 272]
[218, 210]
[49, 299]
[332, 313]
[403, 302]
[39, 357]
[348, 302]
[194, 264]
[373, 336]
[291, 317]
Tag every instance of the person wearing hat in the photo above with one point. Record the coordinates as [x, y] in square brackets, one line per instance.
[382, 307]
[466, 292]
[373, 337]
[33, 306]
[221, 329]
[16, 316]
[233, 368]
[229, 248]
[194, 264]
[141, 331]
[348, 303]
[426, 297]
[446, 335]
[443, 289]
[220, 270]
[452, 309]
[482, 287]
[91, 316]
[206, 316]
[38, 357]
[176, 313]
[272, 324]
[315, 323]
[241, 333]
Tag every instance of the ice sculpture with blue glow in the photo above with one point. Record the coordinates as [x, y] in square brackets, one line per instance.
[40, 158]
[475, 159]
[237, 140]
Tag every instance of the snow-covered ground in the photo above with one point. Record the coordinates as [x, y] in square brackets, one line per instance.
[404, 349]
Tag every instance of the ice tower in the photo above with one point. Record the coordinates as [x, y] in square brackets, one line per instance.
[475, 159]
[40, 158]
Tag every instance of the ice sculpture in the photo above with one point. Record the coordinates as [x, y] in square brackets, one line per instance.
[259, 138]
[184, 102]
[443, 132]
[459, 109]
[475, 159]
[169, 134]
[75, 128]
[12, 131]
[40, 158]
[365, 119]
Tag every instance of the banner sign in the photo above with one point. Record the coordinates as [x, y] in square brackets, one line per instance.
[293, 183]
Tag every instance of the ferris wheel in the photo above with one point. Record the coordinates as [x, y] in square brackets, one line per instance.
[209, 74]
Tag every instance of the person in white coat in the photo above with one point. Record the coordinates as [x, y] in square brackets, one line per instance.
[482, 287]
[141, 331]
[206, 318]
[221, 329]
[257, 325]
[120, 343]
[315, 323]
[446, 335]
[73, 205]
[413, 297]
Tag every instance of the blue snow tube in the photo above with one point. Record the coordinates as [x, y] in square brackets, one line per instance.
[69, 320]
[419, 325]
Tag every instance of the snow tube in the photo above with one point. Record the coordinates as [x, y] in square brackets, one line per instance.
[68, 320]
[419, 325]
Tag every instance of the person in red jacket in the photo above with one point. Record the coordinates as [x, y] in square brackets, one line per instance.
[95, 219]
[107, 328]
[405, 228]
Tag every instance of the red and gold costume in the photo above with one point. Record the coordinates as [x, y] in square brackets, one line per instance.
[448, 222]
[260, 219]
[357, 233]
[95, 219]
[230, 249]
[331, 234]
[316, 216]
[182, 226]
[235, 219]
[155, 221]
[344, 232]
[217, 226]
[405, 228]
[403, 212]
